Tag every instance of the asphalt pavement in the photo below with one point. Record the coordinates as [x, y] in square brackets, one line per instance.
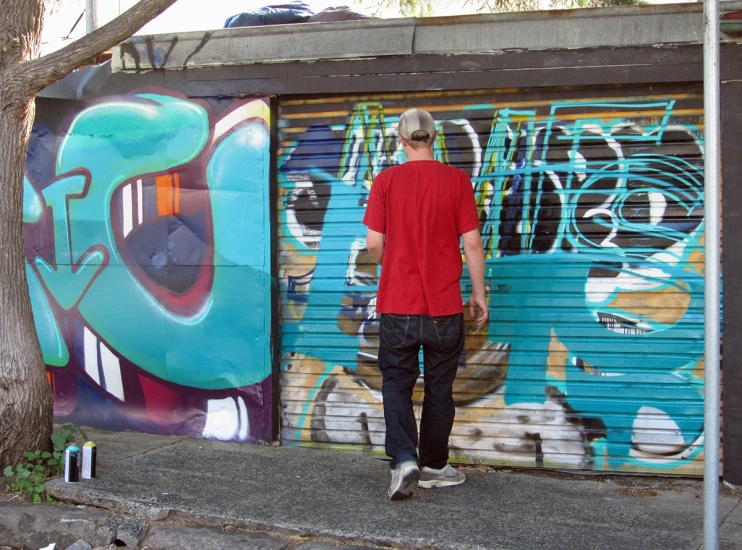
[341, 497]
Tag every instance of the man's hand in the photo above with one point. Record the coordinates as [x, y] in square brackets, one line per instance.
[475, 262]
[478, 308]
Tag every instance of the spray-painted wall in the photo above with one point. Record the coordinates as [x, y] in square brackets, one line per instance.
[149, 250]
[148, 261]
[591, 213]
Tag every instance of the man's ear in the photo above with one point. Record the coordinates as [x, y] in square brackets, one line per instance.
[405, 143]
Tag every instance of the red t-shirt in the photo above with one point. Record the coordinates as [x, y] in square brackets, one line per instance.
[422, 207]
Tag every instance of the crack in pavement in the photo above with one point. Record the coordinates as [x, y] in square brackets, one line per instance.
[730, 512]
[147, 451]
[699, 545]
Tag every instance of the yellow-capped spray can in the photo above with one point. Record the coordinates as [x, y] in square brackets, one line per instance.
[89, 452]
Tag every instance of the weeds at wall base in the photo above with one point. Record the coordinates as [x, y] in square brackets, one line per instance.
[27, 478]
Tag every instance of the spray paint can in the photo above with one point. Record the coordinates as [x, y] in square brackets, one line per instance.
[89, 451]
[72, 464]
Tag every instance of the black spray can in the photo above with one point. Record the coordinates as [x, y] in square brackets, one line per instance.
[72, 464]
[89, 452]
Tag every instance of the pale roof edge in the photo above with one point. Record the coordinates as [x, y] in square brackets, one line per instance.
[640, 25]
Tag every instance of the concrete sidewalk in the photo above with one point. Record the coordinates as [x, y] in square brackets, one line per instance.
[343, 496]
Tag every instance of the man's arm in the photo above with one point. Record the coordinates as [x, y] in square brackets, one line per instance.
[375, 245]
[475, 263]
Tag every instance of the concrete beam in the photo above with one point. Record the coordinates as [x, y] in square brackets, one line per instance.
[562, 29]
[270, 44]
[372, 38]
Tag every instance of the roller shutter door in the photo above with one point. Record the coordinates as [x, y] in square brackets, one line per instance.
[591, 209]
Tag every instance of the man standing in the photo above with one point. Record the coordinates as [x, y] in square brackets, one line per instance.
[416, 214]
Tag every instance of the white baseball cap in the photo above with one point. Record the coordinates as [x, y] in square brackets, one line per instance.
[415, 120]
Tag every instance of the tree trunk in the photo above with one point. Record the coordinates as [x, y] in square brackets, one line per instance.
[25, 395]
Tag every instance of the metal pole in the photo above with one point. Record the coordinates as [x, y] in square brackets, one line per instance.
[712, 179]
[90, 16]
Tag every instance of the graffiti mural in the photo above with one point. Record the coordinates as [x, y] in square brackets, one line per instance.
[591, 214]
[147, 239]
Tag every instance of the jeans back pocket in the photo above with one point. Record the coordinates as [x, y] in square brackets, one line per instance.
[449, 330]
[394, 329]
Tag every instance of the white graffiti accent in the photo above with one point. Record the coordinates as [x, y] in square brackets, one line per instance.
[227, 420]
[244, 431]
[90, 346]
[510, 432]
[655, 432]
[112, 381]
[222, 420]
[127, 202]
[100, 359]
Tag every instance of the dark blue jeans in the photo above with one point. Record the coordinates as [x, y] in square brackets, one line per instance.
[442, 340]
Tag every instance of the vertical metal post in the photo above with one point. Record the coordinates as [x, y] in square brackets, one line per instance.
[712, 179]
[90, 16]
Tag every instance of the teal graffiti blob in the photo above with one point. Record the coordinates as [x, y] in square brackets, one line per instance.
[224, 343]
[547, 292]
[69, 278]
[32, 206]
[53, 347]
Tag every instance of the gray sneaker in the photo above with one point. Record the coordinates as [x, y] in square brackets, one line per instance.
[445, 477]
[404, 480]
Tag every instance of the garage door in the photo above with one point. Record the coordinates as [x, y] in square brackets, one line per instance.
[591, 210]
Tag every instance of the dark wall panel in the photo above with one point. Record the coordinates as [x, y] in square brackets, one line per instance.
[731, 130]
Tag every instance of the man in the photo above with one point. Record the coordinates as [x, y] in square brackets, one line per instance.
[416, 214]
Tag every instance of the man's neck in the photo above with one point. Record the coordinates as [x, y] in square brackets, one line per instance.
[419, 154]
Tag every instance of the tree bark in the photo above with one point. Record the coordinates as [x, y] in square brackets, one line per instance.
[25, 396]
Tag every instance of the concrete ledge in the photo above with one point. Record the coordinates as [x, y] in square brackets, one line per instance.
[36, 525]
[545, 30]
[373, 38]
[198, 538]
[272, 44]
